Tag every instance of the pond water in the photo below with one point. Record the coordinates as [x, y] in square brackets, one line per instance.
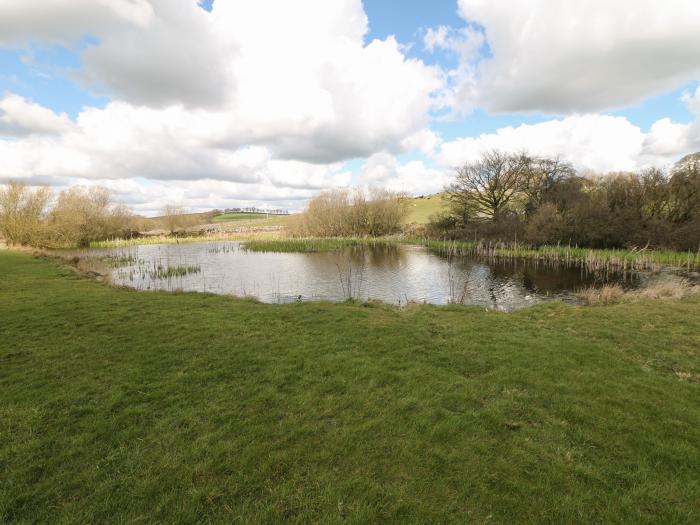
[394, 274]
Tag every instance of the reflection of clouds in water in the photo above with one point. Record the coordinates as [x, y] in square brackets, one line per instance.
[394, 274]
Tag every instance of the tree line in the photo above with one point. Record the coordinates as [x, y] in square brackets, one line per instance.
[77, 216]
[540, 200]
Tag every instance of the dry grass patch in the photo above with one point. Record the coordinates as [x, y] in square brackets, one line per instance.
[608, 294]
[671, 288]
[674, 288]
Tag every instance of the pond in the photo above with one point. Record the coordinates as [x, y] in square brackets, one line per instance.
[395, 274]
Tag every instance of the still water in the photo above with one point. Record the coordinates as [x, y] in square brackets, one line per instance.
[395, 274]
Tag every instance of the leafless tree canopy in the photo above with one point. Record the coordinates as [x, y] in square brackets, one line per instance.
[544, 201]
[77, 217]
[483, 190]
[174, 217]
[347, 213]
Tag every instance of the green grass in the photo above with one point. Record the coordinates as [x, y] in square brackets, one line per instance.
[420, 209]
[168, 272]
[122, 406]
[229, 217]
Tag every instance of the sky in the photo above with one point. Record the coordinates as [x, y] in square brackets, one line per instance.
[229, 103]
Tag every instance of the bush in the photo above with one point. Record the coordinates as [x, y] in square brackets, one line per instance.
[22, 213]
[85, 214]
[339, 213]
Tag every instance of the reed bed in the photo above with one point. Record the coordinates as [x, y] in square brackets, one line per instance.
[593, 259]
[173, 239]
[168, 272]
[308, 245]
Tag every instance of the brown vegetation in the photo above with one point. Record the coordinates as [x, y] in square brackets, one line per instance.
[669, 288]
[507, 197]
[339, 213]
[78, 216]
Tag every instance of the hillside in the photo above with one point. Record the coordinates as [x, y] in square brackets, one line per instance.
[422, 208]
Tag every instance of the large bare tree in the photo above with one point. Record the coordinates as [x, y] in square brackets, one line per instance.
[541, 176]
[484, 190]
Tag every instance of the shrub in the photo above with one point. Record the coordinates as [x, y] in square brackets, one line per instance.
[339, 213]
[85, 214]
[22, 213]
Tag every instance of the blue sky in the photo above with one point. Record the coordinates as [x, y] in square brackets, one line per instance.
[465, 76]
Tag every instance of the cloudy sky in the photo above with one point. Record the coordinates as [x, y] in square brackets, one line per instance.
[266, 102]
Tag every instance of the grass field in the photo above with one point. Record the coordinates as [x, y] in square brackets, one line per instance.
[122, 406]
[420, 209]
[228, 217]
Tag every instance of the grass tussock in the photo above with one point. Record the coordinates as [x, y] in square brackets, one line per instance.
[599, 295]
[670, 288]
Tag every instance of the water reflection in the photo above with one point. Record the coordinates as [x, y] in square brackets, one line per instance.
[392, 273]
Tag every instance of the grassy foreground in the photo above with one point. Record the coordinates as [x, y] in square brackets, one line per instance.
[123, 406]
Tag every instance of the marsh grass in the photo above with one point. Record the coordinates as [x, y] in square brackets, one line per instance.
[304, 245]
[168, 272]
[593, 259]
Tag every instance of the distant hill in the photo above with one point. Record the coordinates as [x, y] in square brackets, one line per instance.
[422, 208]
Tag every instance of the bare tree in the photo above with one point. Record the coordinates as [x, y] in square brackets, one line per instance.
[541, 175]
[86, 214]
[174, 217]
[22, 213]
[483, 190]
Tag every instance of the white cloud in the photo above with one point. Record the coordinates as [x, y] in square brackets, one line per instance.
[268, 98]
[384, 170]
[152, 52]
[571, 55]
[297, 79]
[20, 117]
[67, 21]
[425, 141]
[600, 143]
[597, 142]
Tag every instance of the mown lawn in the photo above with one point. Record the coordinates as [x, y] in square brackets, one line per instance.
[134, 407]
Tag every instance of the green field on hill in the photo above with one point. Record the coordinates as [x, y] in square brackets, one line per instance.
[228, 217]
[125, 406]
[420, 209]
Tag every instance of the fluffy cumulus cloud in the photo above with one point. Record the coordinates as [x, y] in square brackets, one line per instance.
[385, 171]
[568, 55]
[21, 117]
[599, 143]
[268, 94]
